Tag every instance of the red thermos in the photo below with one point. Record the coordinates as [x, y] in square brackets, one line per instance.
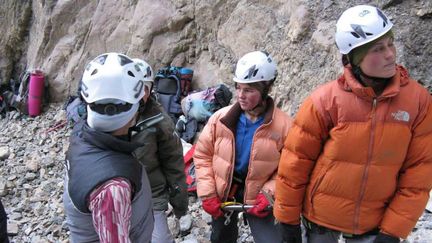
[36, 88]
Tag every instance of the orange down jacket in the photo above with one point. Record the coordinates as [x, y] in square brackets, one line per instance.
[214, 155]
[354, 162]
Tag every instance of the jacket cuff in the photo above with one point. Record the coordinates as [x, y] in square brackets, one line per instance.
[286, 215]
[395, 225]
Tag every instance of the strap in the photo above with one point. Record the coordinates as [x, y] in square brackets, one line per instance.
[110, 109]
[322, 230]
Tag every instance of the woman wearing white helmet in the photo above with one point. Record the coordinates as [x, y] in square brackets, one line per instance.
[357, 161]
[237, 154]
[162, 156]
[107, 194]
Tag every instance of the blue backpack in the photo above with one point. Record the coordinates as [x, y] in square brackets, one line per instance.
[172, 84]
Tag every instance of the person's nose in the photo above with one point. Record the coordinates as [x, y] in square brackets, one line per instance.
[390, 52]
[240, 93]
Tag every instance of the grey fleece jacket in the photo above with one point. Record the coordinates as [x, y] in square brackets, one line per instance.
[162, 156]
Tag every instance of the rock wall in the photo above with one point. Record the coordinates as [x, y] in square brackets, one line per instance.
[61, 36]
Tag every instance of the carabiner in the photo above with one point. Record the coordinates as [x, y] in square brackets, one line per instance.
[227, 216]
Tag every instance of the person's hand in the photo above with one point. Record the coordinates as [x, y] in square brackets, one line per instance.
[179, 212]
[213, 207]
[261, 208]
[385, 238]
[290, 233]
[178, 198]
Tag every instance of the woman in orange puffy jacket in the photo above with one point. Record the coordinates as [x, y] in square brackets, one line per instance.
[238, 152]
[357, 161]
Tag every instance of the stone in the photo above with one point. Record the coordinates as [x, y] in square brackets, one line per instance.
[28, 231]
[4, 152]
[30, 176]
[12, 228]
[185, 224]
[3, 188]
[32, 164]
[299, 22]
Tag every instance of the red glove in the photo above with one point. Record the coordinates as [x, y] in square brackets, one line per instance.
[261, 207]
[213, 207]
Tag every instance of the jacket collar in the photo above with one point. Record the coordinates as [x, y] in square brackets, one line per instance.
[149, 109]
[231, 117]
[106, 141]
[349, 83]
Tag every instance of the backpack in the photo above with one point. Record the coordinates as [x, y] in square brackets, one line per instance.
[76, 109]
[202, 104]
[198, 107]
[190, 170]
[18, 98]
[186, 129]
[172, 84]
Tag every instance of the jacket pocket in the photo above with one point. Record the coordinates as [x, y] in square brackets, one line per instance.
[321, 175]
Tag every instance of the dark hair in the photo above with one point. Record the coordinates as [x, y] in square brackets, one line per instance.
[262, 86]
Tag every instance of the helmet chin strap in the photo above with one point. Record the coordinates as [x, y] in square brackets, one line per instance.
[377, 84]
[360, 75]
[258, 109]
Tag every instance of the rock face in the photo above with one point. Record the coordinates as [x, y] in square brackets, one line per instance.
[61, 36]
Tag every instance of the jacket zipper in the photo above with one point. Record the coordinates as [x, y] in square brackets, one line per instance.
[250, 160]
[368, 162]
[249, 166]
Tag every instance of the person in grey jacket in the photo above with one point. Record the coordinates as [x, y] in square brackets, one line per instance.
[106, 190]
[162, 155]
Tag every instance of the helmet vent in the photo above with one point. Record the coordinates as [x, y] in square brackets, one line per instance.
[101, 59]
[382, 15]
[137, 68]
[358, 31]
[251, 72]
[131, 74]
[148, 72]
[265, 53]
[255, 72]
[94, 72]
[355, 34]
[138, 88]
[123, 60]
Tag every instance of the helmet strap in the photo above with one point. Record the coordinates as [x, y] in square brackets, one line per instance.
[258, 109]
[266, 89]
[378, 84]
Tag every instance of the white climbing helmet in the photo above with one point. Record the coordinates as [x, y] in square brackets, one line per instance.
[148, 72]
[254, 67]
[112, 76]
[360, 25]
[146, 68]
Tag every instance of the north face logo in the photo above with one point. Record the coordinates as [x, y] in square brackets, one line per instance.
[401, 116]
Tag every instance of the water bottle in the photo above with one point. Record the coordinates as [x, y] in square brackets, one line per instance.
[36, 87]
